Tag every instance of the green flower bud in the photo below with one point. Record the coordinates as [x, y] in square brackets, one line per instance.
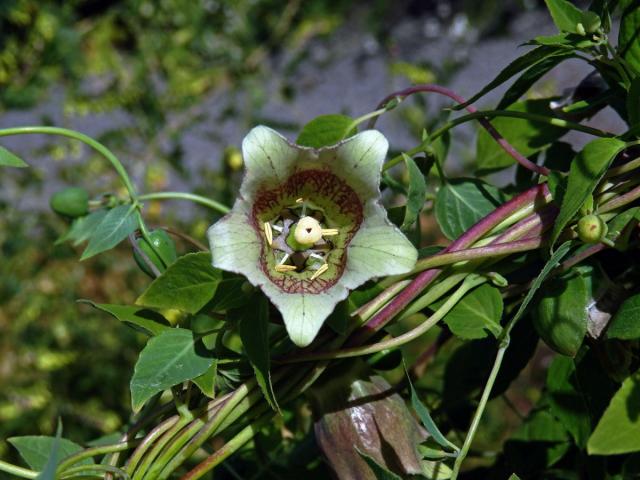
[71, 202]
[592, 229]
[591, 22]
[161, 255]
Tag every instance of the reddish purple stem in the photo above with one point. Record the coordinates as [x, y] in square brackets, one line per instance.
[506, 146]
[538, 193]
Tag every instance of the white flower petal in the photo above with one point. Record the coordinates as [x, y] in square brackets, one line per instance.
[378, 249]
[359, 161]
[269, 158]
[235, 245]
[304, 313]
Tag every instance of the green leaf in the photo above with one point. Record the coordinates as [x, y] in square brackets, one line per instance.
[168, 359]
[628, 41]
[114, 227]
[378, 470]
[254, 332]
[527, 137]
[436, 470]
[229, 293]
[428, 423]
[49, 468]
[625, 324]
[565, 15]
[476, 314]
[567, 401]
[461, 203]
[326, 130]
[514, 477]
[521, 63]
[560, 317]
[586, 171]
[618, 431]
[621, 227]
[188, 284]
[8, 159]
[415, 193]
[633, 102]
[207, 381]
[539, 442]
[82, 228]
[553, 261]
[35, 450]
[541, 426]
[149, 321]
[531, 76]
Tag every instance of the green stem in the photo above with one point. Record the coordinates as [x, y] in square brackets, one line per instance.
[147, 442]
[157, 450]
[207, 202]
[479, 411]
[435, 293]
[478, 253]
[367, 310]
[17, 471]
[557, 122]
[97, 146]
[470, 282]
[627, 167]
[198, 432]
[224, 452]
[92, 452]
[364, 118]
[85, 470]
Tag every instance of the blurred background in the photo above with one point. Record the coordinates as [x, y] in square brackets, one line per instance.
[172, 86]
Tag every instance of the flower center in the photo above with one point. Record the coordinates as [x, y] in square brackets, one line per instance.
[307, 199]
[298, 239]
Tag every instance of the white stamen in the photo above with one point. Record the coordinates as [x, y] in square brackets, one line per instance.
[320, 271]
[284, 259]
[329, 232]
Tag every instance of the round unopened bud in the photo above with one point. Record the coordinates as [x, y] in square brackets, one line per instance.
[592, 229]
[308, 231]
[71, 202]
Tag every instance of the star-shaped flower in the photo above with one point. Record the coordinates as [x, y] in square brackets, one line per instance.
[308, 226]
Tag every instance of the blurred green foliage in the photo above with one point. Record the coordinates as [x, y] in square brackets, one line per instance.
[155, 61]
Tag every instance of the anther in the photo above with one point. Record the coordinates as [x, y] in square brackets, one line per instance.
[284, 268]
[268, 233]
[320, 271]
[329, 232]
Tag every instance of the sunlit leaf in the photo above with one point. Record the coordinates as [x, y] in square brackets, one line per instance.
[9, 159]
[168, 359]
[114, 227]
[586, 171]
[326, 130]
[618, 431]
[188, 284]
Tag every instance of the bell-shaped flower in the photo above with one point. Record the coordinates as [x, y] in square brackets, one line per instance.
[308, 225]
